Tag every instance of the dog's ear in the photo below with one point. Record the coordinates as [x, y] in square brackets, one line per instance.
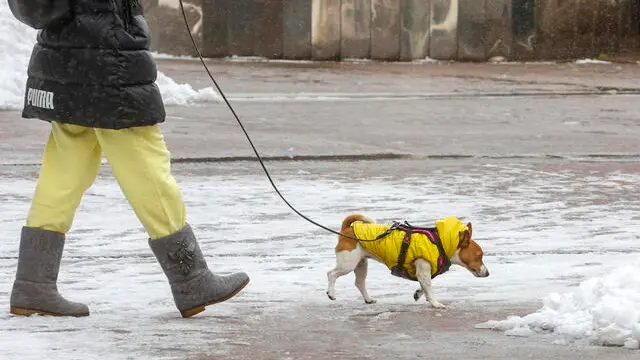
[470, 230]
[465, 238]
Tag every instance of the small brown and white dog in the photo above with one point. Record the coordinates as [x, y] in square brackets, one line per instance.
[421, 259]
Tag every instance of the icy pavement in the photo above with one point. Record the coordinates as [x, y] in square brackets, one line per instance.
[545, 227]
[542, 158]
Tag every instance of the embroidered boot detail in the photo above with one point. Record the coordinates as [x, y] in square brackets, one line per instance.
[184, 256]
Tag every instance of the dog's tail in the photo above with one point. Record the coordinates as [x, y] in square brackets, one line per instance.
[353, 218]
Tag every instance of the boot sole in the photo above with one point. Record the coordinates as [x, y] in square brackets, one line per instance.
[28, 312]
[200, 308]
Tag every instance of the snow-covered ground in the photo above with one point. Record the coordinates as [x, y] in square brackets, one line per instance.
[16, 43]
[544, 231]
[563, 236]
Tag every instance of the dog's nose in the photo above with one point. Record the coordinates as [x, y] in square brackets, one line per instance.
[484, 272]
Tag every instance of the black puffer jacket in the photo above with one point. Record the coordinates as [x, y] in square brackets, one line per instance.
[91, 65]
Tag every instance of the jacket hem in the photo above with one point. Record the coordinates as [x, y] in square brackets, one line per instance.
[79, 122]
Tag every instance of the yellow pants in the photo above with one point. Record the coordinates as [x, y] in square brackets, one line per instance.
[140, 163]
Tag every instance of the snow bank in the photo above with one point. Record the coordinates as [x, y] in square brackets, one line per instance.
[183, 94]
[592, 61]
[16, 43]
[163, 56]
[604, 310]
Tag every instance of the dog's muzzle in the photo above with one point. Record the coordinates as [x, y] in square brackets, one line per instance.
[483, 272]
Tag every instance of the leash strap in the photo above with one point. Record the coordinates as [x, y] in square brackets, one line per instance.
[393, 227]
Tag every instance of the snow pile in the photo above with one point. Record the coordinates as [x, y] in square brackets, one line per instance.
[163, 56]
[183, 94]
[16, 43]
[604, 310]
[426, 60]
[592, 61]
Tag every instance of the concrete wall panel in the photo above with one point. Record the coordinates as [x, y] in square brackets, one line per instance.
[214, 28]
[557, 29]
[241, 16]
[385, 29]
[356, 29]
[587, 12]
[606, 28]
[296, 29]
[524, 29]
[415, 16]
[499, 38]
[472, 20]
[268, 29]
[325, 29]
[444, 29]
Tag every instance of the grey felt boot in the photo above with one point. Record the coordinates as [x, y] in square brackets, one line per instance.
[193, 285]
[34, 289]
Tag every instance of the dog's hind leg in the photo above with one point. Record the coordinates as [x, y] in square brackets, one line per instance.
[346, 262]
[361, 277]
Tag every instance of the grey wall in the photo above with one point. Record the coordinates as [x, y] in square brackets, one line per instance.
[399, 30]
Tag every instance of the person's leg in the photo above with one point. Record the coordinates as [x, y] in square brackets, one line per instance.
[141, 164]
[70, 164]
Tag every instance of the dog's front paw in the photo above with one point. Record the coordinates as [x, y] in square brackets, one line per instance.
[331, 297]
[437, 304]
[370, 301]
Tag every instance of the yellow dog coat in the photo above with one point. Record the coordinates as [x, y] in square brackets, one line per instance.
[387, 249]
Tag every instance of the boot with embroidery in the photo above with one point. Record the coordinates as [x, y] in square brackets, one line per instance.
[35, 290]
[193, 285]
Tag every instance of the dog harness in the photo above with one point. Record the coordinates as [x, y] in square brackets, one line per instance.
[400, 244]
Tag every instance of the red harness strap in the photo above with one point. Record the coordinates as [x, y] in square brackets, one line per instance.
[443, 262]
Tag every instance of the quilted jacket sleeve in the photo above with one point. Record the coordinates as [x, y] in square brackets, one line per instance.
[40, 13]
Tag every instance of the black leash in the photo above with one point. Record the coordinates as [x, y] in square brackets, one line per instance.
[443, 261]
[195, 46]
